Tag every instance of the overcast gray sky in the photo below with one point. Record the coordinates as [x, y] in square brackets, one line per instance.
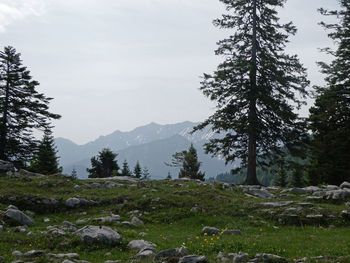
[119, 64]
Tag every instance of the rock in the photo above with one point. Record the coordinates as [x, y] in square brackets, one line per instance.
[73, 202]
[139, 245]
[99, 235]
[77, 187]
[67, 261]
[126, 223]
[2, 260]
[210, 230]
[23, 172]
[62, 256]
[56, 232]
[345, 185]
[141, 234]
[172, 253]
[314, 216]
[46, 220]
[193, 259]
[22, 229]
[33, 254]
[338, 195]
[83, 221]
[1, 228]
[12, 207]
[6, 166]
[240, 257]
[146, 253]
[68, 226]
[112, 185]
[113, 261]
[269, 258]
[50, 201]
[260, 193]
[330, 187]
[17, 254]
[136, 221]
[277, 204]
[232, 232]
[19, 217]
[312, 189]
[306, 204]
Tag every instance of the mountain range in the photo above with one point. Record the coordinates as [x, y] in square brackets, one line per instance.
[152, 145]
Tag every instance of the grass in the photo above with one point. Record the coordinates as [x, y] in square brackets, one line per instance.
[165, 207]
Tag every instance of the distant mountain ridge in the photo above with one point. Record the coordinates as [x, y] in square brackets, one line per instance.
[151, 145]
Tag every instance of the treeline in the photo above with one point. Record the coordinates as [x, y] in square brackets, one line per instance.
[105, 165]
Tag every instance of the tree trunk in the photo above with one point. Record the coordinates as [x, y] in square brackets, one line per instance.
[3, 132]
[252, 117]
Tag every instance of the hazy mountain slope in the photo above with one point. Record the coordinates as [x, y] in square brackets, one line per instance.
[154, 154]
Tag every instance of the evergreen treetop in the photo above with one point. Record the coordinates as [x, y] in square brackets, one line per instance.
[103, 165]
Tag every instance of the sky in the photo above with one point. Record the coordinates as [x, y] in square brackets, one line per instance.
[119, 64]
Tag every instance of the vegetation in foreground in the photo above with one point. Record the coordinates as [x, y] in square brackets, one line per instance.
[174, 213]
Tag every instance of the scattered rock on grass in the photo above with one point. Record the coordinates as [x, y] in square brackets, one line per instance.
[269, 258]
[136, 221]
[260, 193]
[141, 244]
[210, 230]
[99, 235]
[18, 217]
[172, 253]
[193, 259]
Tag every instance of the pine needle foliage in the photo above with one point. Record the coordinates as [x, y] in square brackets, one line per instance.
[330, 117]
[104, 165]
[257, 87]
[22, 109]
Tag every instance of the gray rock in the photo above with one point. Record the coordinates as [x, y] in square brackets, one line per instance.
[269, 258]
[260, 193]
[2, 259]
[17, 254]
[34, 254]
[330, 187]
[62, 256]
[56, 232]
[345, 214]
[146, 253]
[311, 189]
[136, 221]
[99, 235]
[240, 257]
[1, 228]
[277, 204]
[108, 219]
[193, 259]
[50, 201]
[113, 261]
[337, 195]
[12, 207]
[68, 226]
[141, 244]
[345, 185]
[171, 253]
[19, 217]
[210, 230]
[6, 166]
[306, 204]
[126, 223]
[67, 261]
[83, 221]
[23, 172]
[73, 202]
[112, 185]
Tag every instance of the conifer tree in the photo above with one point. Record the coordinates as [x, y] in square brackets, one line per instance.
[145, 174]
[330, 117]
[22, 108]
[281, 179]
[254, 87]
[45, 160]
[138, 170]
[74, 173]
[190, 165]
[297, 178]
[125, 169]
[104, 165]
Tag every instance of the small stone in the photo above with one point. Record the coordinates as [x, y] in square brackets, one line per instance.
[232, 232]
[193, 259]
[34, 254]
[17, 253]
[46, 220]
[1, 228]
[136, 221]
[139, 245]
[210, 230]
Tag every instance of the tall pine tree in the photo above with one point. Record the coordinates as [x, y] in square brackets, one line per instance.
[45, 160]
[330, 116]
[125, 169]
[190, 165]
[255, 86]
[22, 108]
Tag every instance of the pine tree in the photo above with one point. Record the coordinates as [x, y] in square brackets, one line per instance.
[145, 174]
[190, 165]
[45, 160]
[137, 170]
[297, 178]
[330, 117]
[74, 174]
[104, 165]
[125, 169]
[254, 87]
[22, 109]
[281, 179]
[169, 176]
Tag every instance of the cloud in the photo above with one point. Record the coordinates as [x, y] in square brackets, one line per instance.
[14, 10]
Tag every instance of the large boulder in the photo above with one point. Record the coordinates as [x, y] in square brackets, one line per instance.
[345, 185]
[23, 172]
[99, 235]
[6, 166]
[18, 217]
[338, 195]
